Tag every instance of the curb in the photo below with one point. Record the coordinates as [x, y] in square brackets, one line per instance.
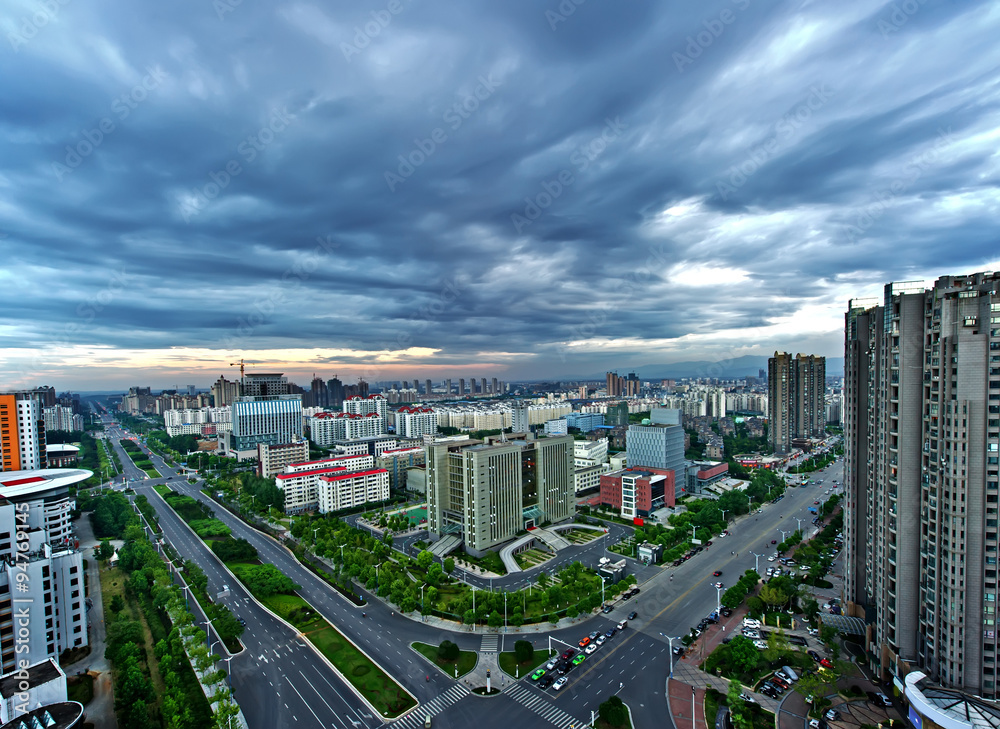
[448, 675]
[299, 633]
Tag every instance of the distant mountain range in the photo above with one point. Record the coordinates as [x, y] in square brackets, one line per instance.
[747, 365]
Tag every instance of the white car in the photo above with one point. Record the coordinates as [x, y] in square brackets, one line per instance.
[771, 558]
[560, 683]
[751, 623]
[748, 698]
[722, 535]
[590, 648]
[760, 645]
[552, 664]
[751, 634]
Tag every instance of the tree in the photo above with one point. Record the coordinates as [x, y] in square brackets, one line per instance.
[738, 709]
[424, 559]
[449, 565]
[117, 604]
[613, 711]
[495, 619]
[448, 651]
[811, 608]
[104, 551]
[773, 596]
[827, 634]
[524, 651]
[755, 605]
[744, 654]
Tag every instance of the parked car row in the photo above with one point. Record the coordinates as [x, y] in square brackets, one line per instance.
[565, 662]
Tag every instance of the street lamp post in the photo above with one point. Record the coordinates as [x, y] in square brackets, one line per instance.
[718, 600]
[671, 641]
[800, 522]
[756, 561]
[229, 675]
[602, 590]
[505, 611]
[724, 512]
[208, 624]
[783, 533]
[422, 602]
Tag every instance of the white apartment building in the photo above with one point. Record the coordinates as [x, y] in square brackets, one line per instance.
[538, 414]
[590, 452]
[415, 422]
[274, 459]
[559, 426]
[347, 489]
[38, 549]
[60, 417]
[300, 481]
[473, 417]
[587, 478]
[22, 441]
[747, 402]
[367, 405]
[325, 427]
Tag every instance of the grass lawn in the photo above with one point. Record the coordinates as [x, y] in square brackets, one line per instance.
[162, 489]
[374, 684]
[509, 665]
[466, 659]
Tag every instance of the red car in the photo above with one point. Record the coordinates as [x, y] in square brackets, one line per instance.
[826, 663]
[815, 502]
[717, 573]
[583, 643]
[568, 653]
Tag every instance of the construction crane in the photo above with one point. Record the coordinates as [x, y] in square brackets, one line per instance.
[242, 365]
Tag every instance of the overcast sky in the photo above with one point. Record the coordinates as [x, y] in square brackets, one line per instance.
[522, 189]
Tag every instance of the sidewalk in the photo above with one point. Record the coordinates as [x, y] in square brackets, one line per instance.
[680, 705]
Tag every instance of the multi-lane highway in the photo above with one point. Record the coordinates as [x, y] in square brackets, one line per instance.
[279, 681]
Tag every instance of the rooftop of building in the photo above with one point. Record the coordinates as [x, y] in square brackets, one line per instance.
[64, 449]
[38, 674]
[63, 715]
[15, 485]
[949, 708]
[352, 474]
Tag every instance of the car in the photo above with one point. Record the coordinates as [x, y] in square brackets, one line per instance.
[546, 681]
[815, 503]
[879, 699]
[814, 655]
[584, 642]
[552, 664]
[568, 653]
[771, 558]
[242, 622]
[601, 639]
[717, 573]
[726, 612]
[718, 585]
[634, 591]
[826, 663]
[590, 648]
[579, 659]
[564, 667]
[752, 634]
[748, 698]
[607, 608]
[626, 596]
[708, 543]
[633, 615]
[538, 674]
[722, 535]
[678, 562]
[813, 631]
[831, 715]
[611, 633]
[814, 724]
[774, 687]
[678, 650]
[560, 683]
[712, 618]
[771, 693]
[779, 682]
[751, 623]
[774, 541]
[760, 644]
[809, 699]
[593, 635]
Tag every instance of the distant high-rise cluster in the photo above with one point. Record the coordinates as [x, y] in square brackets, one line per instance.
[618, 386]
[796, 399]
[922, 457]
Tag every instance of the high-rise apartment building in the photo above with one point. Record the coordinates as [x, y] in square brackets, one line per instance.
[415, 422]
[334, 392]
[22, 432]
[427, 387]
[61, 417]
[520, 419]
[367, 405]
[796, 391]
[486, 494]
[922, 433]
[658, 446]
[36, 535]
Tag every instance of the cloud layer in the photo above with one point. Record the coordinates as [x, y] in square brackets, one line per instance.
[511, 189]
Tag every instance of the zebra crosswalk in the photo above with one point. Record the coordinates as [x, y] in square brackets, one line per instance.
[490, 643]
[539, 704]
[432, 708]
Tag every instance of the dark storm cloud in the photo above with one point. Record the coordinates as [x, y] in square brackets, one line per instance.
[510, 177]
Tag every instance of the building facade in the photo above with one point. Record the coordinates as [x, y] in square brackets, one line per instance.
[922, 427]
[348, 489]
[636, 492]
[274, 459]
[796, 399]
[657, 446]
[415, 422]
[269, 420]
[22, 432]
[486, 494]
[300, 482]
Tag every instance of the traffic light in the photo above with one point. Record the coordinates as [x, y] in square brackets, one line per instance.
[487, 673]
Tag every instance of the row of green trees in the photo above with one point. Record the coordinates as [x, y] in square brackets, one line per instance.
[149, 586]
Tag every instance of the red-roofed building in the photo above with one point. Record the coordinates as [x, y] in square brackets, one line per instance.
[325, 428]
[300, 481]
[347, 489]
[636, 492]
[366, 405]
[415, 422]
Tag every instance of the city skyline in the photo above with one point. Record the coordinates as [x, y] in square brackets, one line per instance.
[513, 190]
